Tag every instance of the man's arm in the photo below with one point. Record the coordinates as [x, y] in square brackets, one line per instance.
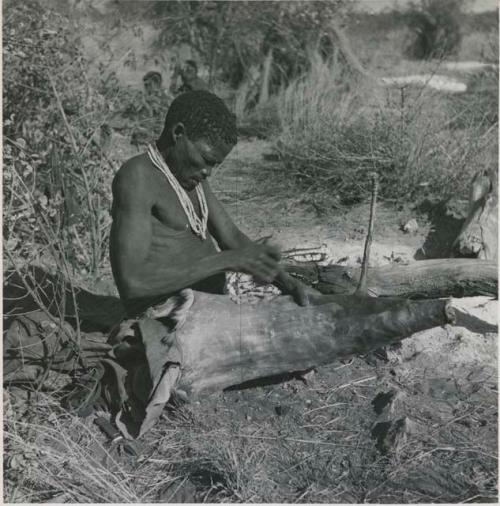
[220, 224]
[230, 237]
[138, 273]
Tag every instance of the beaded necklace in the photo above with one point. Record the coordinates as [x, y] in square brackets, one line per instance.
[198, 225]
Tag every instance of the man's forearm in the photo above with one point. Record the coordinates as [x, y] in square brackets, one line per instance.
[151, 279]
[235, 241]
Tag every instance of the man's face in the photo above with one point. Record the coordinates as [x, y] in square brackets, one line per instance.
[189, 72]
[195, 160]
[150, 86]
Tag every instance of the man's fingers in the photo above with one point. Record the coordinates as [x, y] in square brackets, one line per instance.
[301, 297]
[272, 251]
[268, 262]
[265, 274]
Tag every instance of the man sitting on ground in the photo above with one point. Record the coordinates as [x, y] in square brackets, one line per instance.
[167, 222]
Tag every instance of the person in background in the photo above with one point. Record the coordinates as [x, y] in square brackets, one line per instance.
[152, 82]
[189, 78]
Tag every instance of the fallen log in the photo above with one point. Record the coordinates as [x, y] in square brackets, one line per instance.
[449, 277]
[424, 279]
[224, 344]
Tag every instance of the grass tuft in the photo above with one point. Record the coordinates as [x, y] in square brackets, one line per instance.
[333, 134]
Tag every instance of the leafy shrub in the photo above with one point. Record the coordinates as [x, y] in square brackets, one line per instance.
[332, 137]
[435, 27]
[56, 176]
[232, 38]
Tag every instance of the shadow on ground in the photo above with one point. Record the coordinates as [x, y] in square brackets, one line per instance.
[445, 227]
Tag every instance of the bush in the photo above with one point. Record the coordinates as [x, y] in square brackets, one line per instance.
[332, 137]
[233, 38]
[435, 27]
[57, 181]
[57, 127]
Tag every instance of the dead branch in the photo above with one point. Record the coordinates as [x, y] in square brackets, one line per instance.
[362, 289]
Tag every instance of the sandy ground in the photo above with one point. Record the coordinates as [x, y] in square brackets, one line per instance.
[449, 361]
[455, 352]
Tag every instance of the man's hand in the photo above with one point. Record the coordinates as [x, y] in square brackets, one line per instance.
[259, 260]
[302, 294]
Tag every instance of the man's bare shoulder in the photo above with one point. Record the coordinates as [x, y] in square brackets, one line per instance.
[133, 175]
[134, 182]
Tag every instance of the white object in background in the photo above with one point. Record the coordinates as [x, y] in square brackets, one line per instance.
[437, 82]
[468, 66]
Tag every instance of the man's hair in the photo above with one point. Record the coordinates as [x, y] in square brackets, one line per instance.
[204, 115]
[192, 64]
[152, 75]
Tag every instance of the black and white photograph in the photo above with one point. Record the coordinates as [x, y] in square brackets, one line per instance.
[250, 251]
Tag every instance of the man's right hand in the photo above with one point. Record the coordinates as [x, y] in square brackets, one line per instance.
[259, 260]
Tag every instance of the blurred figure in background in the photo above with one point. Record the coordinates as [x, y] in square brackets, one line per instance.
[189, 78]
[152, 82]
[156, 100]
[149, 114]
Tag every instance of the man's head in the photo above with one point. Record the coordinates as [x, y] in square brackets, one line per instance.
[190, 71]
[199, 132]
[152, 81]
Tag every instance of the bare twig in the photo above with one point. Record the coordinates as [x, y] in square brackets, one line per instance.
[88, 192]
[52, 239]
[362, 289]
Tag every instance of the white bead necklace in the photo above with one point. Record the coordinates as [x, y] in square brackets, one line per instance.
[198, 225]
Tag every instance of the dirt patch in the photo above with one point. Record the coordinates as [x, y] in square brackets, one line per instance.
[299, 435]
[291, 220]
[307, 433]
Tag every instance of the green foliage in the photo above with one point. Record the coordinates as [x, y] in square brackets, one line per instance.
[58, 124]
[435, 27]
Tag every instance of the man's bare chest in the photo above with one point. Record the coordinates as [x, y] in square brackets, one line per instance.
[167, 207]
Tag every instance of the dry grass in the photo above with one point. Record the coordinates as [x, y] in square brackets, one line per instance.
[423, 144]
[51, 454]
[290, 442]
